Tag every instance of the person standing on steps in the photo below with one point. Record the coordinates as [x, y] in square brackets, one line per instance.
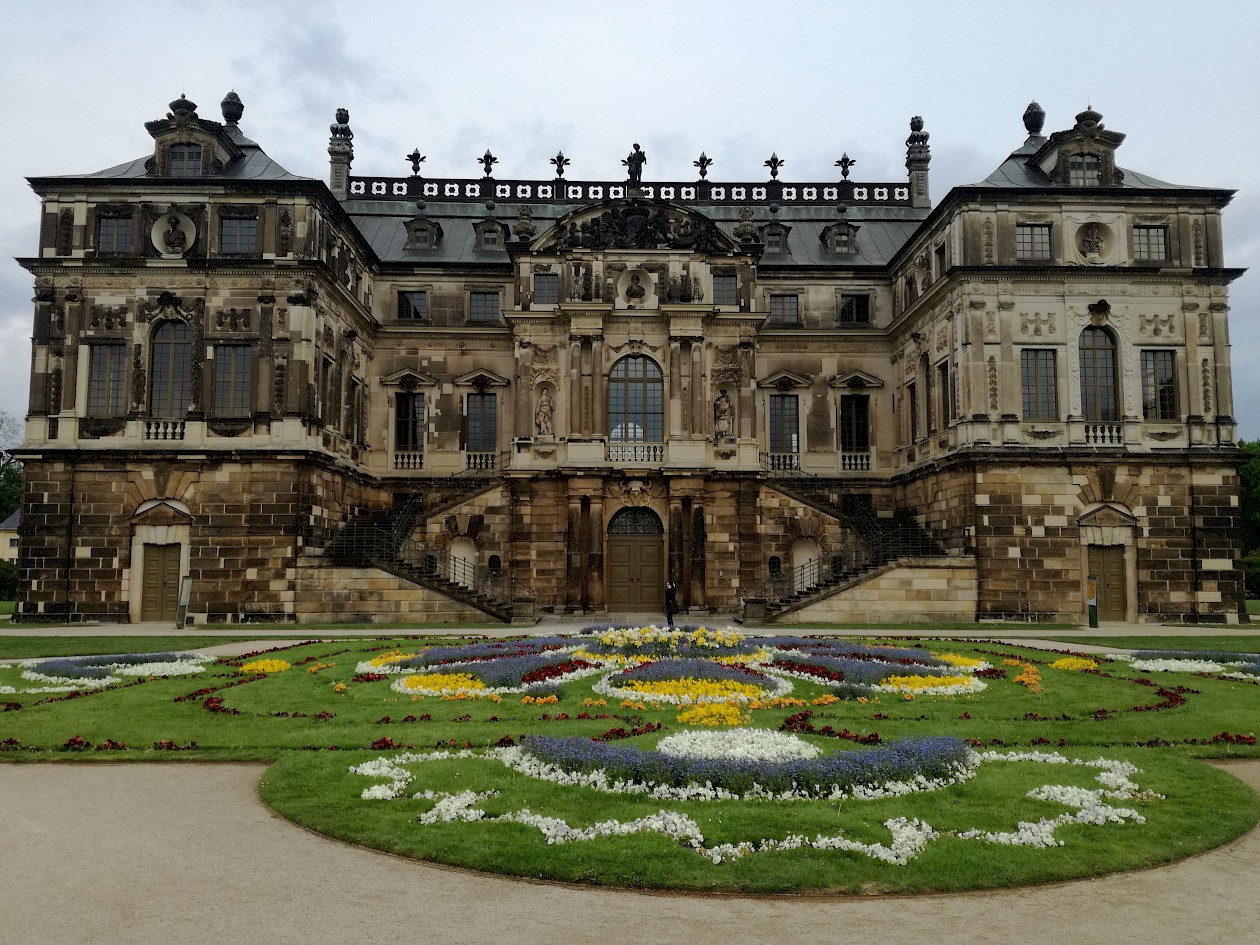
[671, 603]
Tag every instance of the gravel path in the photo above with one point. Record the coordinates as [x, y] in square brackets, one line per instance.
[162, 853]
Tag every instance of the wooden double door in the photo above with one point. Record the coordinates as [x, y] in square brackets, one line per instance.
[1106, 563]
[636, 562]
[160, 600]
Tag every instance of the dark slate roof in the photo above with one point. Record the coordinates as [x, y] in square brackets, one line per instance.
[11, 523]
[1016, 172]
[882, 230]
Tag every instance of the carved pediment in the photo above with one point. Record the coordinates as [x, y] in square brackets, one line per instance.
[855, 380]
[636, 224]
[408, 379]
[785, 380]
[1107, 514]
[162, 512]
[481, 380]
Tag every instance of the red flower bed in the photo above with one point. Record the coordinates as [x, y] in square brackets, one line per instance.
[801, 723]
[543, 673]
[809, 669]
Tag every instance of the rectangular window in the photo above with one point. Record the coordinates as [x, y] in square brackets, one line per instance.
[409, 422]
[1032, 241]
[855, 423]
[1159, 385]
[725, 288]
[546, 288]
[784, 424]
[1038, 384]
[784, 310]
[186, 160]
[490, 239]
[483, 306]
[105, 381]
[479, 417]
[237, 236]
[774, 243]
[939, 255]
[912, 404]
[413, 306]
[1150, 242]
[855, 309]
[114, 235]
[944, 406]
[1085, 170]
[233, 380]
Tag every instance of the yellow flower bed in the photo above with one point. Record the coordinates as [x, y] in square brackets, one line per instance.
[539, 700]
[594, 703]
[828, 699]
[646, 636]
[711, 690]
[713, 714]
[443, 682]
[914, 684]
[318, 666]
[385, 659]
[265, 666]
[953, 659]
[1074, 664]
[340, 687]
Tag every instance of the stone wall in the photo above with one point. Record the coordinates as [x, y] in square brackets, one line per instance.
[923, 590]
[325, 594]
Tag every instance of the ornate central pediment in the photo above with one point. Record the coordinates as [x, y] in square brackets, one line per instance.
[636, 224]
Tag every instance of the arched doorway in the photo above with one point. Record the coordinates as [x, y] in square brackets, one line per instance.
[463, 562]
[636, 561]
[805, 564]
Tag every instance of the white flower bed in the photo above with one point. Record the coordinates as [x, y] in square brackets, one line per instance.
[908, 838]
[186, 665]
[743, 744]
[1168, 665]
[954, 689]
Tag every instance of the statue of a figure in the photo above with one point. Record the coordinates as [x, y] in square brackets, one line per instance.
[723, 417]
[1091, 242]
[635, 291]
[634, 162]
[542, 416]
[174, 237]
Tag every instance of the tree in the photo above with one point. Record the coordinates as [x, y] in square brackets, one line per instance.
[10, 468]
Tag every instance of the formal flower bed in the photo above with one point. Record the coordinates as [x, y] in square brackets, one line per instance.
[637, 644]
[688, 681]
[512, 673]
[1245, 666]
[85, 673]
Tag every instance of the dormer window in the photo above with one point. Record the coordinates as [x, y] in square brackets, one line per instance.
[185, 160]
[423, 233]
[489, 240]
[1085, 170]
[774, 243]
[840, 239]
[774, 236]
[490, 235]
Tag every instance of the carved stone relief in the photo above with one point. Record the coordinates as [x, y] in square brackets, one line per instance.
[987, 239]
[993, 383]
[1036, 324]
[1207, 387]
[1205, 327]
[1197, 241]
[1157, 325]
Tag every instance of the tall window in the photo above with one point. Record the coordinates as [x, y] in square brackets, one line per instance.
[1150, 242]
[546, 288]
[912, 404]
[233, 380]
[785, 436]
[409, 422]
[114, 235]
[855, 309]
[105, 381]
[636, 401]
[413, 306]
[483, 306]
[1032, 241]
[171, 385]
[186, 160]
[1085, 170]
[1038, 384]
[944, 396]
[725, 288]
[1159, 385]
[855, 423]
[784, 310]
[1099, 395]
[481, 426]
[237, 236]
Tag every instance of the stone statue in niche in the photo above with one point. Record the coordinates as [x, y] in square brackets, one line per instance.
[634, 162]
[723, 417]
[174, 239]
[1092, 241]
[544, 414]
[635, 291]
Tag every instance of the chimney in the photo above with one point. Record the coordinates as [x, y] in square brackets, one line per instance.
[918, 157]
[340, 154]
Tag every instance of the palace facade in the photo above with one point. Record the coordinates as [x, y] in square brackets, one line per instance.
[409, 397]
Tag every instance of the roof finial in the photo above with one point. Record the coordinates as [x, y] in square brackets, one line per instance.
[1034, 119]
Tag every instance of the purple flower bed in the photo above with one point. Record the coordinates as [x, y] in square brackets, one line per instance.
[662, 670]
[934, 757]
[491, 650]
[506, 672]
[834, 647]
[860, 672]
[97, 667]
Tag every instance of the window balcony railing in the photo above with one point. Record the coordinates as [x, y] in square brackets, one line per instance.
[481, 461]
[1104, 434]
[783, 460]
[856, 462]
[164, 429]
[637, 454]
[408, 459]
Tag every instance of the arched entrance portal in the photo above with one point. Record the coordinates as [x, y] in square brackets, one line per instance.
[636, 561]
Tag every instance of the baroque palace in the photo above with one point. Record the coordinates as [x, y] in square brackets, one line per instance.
[445, 399]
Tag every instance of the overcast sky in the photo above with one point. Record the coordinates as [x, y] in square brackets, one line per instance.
[735, 79]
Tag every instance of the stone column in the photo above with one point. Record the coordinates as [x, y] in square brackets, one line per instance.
[595, 556]
[524, 420]
[695, 596]
[699, 413]
[675, 540]
[575, 385]
[599, 407]
[674, 408]
[747, 391]
[573, 555]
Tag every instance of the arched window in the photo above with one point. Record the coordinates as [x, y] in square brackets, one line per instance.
[1099, 394]
[636, 401]
[171, 364]
[775, 566]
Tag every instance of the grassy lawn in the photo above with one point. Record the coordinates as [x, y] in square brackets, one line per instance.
[6, 609]
[320, 717]
[1231, 644]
